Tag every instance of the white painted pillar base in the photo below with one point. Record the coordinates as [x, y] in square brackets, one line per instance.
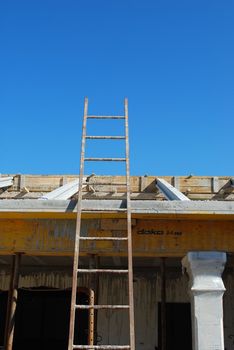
[207, 288]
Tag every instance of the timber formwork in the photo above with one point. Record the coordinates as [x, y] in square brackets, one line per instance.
[36, 227]
[108, 187]
[159, 227]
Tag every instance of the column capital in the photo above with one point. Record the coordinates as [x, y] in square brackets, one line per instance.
[205, 270]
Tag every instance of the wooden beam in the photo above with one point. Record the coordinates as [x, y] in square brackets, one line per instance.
[198, 187]
[150, 237]
[12, 303]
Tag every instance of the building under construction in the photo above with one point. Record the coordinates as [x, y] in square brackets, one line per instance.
[116, 262]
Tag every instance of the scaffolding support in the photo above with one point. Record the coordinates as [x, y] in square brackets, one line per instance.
[12, 303]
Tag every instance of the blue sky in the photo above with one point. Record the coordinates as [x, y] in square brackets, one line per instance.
[172, 59]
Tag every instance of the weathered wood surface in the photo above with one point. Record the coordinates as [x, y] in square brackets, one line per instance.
[195, 187]
[151, 238]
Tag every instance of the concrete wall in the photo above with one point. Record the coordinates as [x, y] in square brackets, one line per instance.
[113, 325]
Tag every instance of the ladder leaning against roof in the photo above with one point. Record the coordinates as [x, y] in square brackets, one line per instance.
[79, 238]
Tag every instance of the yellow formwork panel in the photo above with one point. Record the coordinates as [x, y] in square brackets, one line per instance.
[150, 237]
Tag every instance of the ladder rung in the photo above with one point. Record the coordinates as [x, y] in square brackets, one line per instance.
[108, 209]
[106, 117]
[105, 137]
[125, 209]
[104, 238]
[102, 271]
[105, 159]
[104, 347]
[100, 307]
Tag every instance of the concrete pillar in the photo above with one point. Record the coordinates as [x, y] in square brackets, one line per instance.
[207, 288]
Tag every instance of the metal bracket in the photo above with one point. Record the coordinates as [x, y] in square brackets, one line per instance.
[64, 192]
[6, 181]
[170, 192]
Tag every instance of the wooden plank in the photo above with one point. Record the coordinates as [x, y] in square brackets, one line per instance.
[115, 224]
[176, 182]
[110, 195]
[188, 184]
[12, 303]
[55, 180]
[150, 237]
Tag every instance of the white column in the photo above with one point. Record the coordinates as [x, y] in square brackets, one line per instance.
[207, 288]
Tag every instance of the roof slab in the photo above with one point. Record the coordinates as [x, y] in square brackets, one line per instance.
[116, 208]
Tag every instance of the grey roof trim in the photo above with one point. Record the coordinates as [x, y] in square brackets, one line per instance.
[63, 192]
[138, 206]
[6, 181]
[169, 191]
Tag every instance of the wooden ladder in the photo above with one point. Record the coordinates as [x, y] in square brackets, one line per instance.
[129, 271]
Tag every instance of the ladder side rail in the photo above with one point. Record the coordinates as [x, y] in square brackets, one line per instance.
[76, 269]
[129, 230]
[77, 233]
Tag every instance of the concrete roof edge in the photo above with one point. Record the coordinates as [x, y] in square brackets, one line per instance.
[138, 206]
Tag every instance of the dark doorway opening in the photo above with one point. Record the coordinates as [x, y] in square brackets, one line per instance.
[3, 311]
[178, 326]
[42, 319]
